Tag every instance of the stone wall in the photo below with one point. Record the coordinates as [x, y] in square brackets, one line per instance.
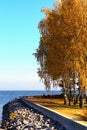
[19, 115]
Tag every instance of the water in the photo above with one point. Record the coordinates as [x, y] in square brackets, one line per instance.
[6, 96]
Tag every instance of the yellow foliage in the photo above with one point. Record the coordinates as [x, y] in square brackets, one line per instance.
[63, 43]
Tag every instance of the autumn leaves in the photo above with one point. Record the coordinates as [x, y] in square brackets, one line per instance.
[62, 49]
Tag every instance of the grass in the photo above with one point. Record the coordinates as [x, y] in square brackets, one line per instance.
[74, 112]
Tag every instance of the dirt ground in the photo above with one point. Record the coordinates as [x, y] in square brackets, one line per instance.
[73, 112]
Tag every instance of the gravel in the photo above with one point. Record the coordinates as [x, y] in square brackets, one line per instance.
[17, 116]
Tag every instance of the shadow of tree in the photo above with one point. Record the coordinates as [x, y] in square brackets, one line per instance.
[80, 117]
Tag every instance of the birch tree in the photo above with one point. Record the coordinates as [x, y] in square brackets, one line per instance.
[62, 50]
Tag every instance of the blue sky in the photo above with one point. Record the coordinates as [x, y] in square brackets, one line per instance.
[19, 37]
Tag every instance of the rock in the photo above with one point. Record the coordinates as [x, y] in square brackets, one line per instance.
[16, 116]
[31, 128]
[53, 128]
[26, 122]
[61, 128]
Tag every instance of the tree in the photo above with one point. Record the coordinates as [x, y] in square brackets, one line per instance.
[62, 50]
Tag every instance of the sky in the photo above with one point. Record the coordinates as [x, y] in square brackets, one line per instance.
[19, 38]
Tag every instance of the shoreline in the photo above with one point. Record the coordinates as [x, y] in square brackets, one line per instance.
[39, 98]
[24, 116]
[6, 96]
